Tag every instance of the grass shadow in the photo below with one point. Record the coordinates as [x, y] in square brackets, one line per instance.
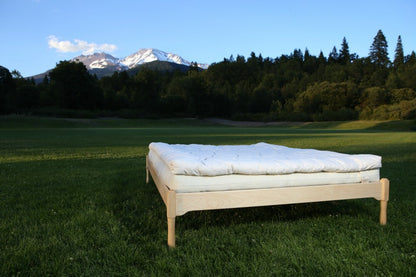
[396, 125]
[279, 213]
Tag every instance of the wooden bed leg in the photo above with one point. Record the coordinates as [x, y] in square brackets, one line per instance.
[383, 212]
[171, 232]
[147, 171]
[385, 185]
[147, 175]
[171, 214]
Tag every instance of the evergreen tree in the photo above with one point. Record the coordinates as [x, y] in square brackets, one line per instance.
[333, 56]
[16, 74]
[398, 56]
[378, 50]
[298, 55]
[7, 88]
[321, 58]
[45, 80]
[306, 56]
[74, 87]
[410, 59]
[344, 52]
[193, 67]
[407, 75]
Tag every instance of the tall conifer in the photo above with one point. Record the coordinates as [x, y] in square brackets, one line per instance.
[378, 50]
[333, 56]
[344, 52]
[399, 55]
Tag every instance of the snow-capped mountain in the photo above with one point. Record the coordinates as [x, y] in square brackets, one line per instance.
[149, 55]
[104, 60]
[103, 64]
[100, 61]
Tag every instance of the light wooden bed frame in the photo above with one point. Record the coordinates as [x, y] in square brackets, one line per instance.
[179, 203]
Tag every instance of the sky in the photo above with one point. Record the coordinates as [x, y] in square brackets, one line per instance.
[37, 34]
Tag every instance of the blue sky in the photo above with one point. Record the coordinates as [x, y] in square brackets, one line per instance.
[37, 34]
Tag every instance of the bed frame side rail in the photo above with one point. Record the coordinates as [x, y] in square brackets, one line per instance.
[186, 202]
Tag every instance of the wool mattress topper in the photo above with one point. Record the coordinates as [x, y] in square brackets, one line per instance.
[257, 159]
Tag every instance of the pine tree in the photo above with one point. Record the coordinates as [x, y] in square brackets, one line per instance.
[344, 52]
[306, 55]
[321, 58]
[46, 80]
[378, 50]
[298, 55]
[399, 55]
[410, 59]
[193, 67]
[7, 89]
[333, 56]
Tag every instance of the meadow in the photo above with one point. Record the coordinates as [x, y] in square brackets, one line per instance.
[74, 202]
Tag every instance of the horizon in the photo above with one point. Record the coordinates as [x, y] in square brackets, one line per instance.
[45, 32]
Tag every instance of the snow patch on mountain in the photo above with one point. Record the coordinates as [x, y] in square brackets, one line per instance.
[150, 54]
[100, 60]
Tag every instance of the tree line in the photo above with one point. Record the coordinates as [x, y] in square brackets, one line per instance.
[298, 86]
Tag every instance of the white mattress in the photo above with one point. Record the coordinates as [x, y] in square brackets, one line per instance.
[199, 183]
[257, 159]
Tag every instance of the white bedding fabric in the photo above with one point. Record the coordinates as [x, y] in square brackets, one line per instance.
[188, 183]
[257, 159]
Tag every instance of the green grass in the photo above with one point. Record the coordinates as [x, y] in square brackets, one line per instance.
[74, 202]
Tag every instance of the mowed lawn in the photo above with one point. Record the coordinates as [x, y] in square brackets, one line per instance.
[74, 202]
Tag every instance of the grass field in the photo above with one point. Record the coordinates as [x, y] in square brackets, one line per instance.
[74, 202]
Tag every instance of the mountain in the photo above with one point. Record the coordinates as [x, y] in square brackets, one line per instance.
[100, 61]
[107, 61]
[158, 66]
[103, 64]
[149, 55]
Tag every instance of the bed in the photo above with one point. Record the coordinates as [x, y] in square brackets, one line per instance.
[198, 177]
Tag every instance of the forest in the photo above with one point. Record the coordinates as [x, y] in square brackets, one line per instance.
[294, 87]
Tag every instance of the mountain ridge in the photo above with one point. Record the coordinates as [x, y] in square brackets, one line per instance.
[103, 60]
[104, 64]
